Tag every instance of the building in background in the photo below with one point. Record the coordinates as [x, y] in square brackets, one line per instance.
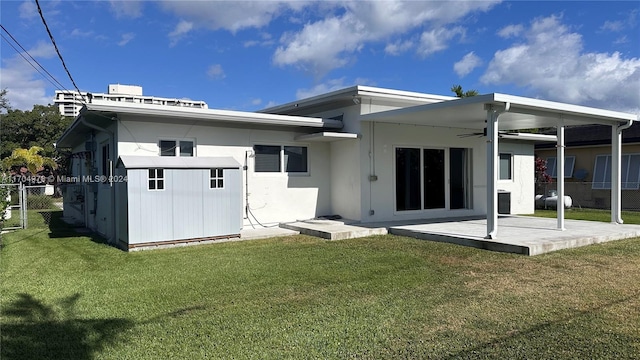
[70, 102]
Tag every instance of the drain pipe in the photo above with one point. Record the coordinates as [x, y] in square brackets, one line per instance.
[616, 196]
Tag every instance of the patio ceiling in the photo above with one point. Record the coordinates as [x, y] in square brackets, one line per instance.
[523, 113]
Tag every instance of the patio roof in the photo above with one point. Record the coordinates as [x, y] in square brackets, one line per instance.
[497, 112]
[522, 113]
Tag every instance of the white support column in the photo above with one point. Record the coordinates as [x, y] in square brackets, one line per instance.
[492, 173]
[616, 161]
[560, 173]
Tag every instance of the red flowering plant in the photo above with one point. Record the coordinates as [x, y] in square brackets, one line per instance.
[542, 178]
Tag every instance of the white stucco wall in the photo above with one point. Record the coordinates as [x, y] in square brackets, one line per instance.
[272, 197]
[522, 184]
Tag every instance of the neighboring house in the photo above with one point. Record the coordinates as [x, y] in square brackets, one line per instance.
[363, 153]
[588, 165]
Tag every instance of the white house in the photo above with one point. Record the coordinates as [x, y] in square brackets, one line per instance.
[367, 154]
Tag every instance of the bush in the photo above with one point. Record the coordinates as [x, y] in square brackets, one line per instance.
[39, 202]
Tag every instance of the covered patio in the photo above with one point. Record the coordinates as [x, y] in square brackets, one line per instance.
[500, 116]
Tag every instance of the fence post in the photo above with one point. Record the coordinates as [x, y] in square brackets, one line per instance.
[23, 203]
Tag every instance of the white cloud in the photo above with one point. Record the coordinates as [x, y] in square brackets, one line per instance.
[126, 38]
[256, 102]
[467, 64]
[510, 31]
[437, 39]
[79, 33]
[215, 71]
[398, 47]
[613, 26]
[551, 63]
[330, 85]
[126, 8]
[28, 10]
[25, 87]
[229, 15]
[334, 41]
[180, 31]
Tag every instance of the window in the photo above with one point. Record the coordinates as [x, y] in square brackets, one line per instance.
[106, 162]
[156, 179]
[216, 179]
[552, 168]
[505, 167]
[295, 159]
[274, 158]
[176, 147]
[630, 172]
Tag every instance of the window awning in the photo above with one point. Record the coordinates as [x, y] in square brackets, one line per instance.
[172, 162]
[327, 136]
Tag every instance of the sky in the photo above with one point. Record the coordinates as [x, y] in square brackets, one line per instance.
[249, 55]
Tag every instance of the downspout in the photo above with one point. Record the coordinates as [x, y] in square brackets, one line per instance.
[112, 192]
[492, 168]
[616, 196]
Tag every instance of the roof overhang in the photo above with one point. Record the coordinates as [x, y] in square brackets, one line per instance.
[170, 162]
[103, 113]
[326, 136]
[519, 113]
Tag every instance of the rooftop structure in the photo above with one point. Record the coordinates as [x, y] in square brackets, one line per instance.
[70, 102]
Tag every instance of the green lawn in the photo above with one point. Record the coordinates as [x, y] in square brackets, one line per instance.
[71, 297]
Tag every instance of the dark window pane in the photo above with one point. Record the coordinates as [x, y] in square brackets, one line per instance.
[267, 158]
[220, 184]
[295, 158]
[152, 173]
[505, 166]
[186, 148]
[167, 148]
[212, 173]
[407, 179]
[152, 184]
[212, 185]
[159, 173]
[160, 184]
[220, 174]
[434, 179]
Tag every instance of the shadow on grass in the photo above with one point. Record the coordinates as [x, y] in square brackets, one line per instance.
[58, 229]
[579, 335]
[32, 329]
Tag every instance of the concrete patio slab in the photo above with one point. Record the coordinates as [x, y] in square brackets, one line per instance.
[516, 234]
[334, 229]
[520, 234]
[263, 233]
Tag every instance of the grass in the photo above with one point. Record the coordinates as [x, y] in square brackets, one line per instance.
[70, 296]
[629, 217]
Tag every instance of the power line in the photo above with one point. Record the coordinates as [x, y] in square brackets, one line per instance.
[59, 86]
[58, 52]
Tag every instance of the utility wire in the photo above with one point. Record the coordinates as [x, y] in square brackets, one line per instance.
[58, 51]
[57, 83]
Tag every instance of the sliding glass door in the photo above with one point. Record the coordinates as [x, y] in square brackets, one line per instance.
[421, 178]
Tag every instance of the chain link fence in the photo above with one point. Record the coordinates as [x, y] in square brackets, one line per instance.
[29, 203]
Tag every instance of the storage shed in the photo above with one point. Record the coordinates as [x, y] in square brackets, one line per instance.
[168, 200]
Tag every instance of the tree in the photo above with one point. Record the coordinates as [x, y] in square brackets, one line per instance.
[4, 102]
[457, 89]
[39, 127]
[31, 159]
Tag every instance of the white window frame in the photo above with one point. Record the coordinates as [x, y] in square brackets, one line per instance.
[177, 146]
[216, 177]
[281, 160]
[510, 179]
[629, 177]
[158, 179]
[569, 160]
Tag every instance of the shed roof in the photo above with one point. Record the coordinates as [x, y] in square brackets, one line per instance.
[171, 162]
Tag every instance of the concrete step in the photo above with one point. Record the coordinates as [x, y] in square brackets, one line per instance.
[333, 229]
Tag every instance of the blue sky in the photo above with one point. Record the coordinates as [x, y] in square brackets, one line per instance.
[251, 55]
